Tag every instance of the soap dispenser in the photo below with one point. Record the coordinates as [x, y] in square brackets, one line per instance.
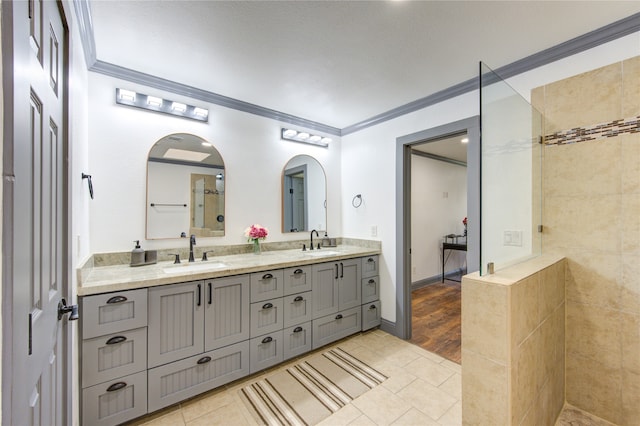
[137, 255]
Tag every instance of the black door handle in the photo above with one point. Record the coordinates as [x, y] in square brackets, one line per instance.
[210, 292]
[341, 270]
[199, 302]
[64, 309]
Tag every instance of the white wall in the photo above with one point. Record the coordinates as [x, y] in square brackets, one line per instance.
[368, 156]
[121, 137]
[433, 215]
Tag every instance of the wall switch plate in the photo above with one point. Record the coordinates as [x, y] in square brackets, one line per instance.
[512, 238]
[374, 231]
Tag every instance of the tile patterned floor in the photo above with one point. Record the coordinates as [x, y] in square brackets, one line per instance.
[422, 389]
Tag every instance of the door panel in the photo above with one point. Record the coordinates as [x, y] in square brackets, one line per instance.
[34, 216]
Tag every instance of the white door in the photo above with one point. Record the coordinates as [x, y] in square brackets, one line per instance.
[35, 257]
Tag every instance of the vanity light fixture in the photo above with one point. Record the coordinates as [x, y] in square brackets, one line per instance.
[154, 103]
[305, 137]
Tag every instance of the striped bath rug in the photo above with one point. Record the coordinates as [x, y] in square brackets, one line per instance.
[309, 391]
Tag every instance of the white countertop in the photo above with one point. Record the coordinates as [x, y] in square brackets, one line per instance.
[105, 279]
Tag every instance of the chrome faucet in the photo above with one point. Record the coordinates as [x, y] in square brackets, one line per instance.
[192, 242]
[312, 237]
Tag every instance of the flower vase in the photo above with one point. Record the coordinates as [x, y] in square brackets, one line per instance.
[256, 246]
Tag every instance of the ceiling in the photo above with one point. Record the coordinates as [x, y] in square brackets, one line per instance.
[334, 62]
[450, 147]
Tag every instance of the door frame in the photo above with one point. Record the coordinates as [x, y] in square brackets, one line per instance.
[7, 195]
[403, 206]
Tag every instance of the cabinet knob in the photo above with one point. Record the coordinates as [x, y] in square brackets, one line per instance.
[116, 386]
[372, 281]
[267, 306]
[267, 339]
[370, 259]
[297, 329]
[339, 316]
[267, 276]
[298, 299]
[372, 307]
[297, 272]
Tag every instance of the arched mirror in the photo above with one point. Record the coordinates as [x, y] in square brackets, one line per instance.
[304, 195]
[185, 188]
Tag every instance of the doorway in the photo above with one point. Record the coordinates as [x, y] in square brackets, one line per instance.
[295, 204]
[405, 245]
[438, 235]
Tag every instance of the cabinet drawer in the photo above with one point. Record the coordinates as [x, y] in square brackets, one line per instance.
[172, 383]
[370, 289]
[114, 355]
[265, 351]
[369, 266]
[112, 312]
[297, 340]
[297, 309]
[334, 327]
[115, 402]
[297, 280]
[371, 315]
[266, 317]
[267, 285]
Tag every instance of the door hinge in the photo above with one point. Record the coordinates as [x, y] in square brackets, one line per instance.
[30, 333]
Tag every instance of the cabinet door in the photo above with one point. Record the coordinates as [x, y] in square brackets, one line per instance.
[227, 311]
[267, 285]
[297, 280]
[115, 402]
[175, 382]
[349, 288]
[297, 340]
[266, 317]
[176, 322]
[370, 266]
[334, 327]
[265, 351]
[297, 309]
[325, 289]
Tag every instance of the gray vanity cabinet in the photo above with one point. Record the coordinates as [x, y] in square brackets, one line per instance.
[226, 311]
[176, 322]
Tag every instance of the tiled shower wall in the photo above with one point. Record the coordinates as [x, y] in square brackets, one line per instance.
[591, 215]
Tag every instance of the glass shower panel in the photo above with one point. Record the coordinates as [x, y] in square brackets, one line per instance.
[510, 178]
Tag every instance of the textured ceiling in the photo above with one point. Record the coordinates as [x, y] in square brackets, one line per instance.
[334, 62]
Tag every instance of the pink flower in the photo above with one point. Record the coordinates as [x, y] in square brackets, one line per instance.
[256, 232]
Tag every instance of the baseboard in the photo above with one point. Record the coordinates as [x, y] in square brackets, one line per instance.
[436, 278]
[388, 327]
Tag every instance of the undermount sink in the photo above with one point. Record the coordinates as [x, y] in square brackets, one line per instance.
[321, 252]
[191, 267]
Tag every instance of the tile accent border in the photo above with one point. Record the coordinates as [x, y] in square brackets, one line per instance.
[597, 131]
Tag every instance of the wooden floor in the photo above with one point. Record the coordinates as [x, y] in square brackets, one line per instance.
[435, 319]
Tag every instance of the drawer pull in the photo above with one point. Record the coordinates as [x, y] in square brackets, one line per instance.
[370, 260]
[267, 276]
[297, 272]
[267, 306]
[204, 360]
[210, 293]
[199, 302]
[116, 386]
[297, 329]
[372, 307]
[298, 299]
[117, 299]
[372, 281]
[267, 339]
[116, 339]
[339, 316]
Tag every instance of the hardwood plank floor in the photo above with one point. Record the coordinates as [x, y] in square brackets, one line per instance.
[435, 319]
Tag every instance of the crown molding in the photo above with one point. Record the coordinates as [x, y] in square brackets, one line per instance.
[621, 28]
